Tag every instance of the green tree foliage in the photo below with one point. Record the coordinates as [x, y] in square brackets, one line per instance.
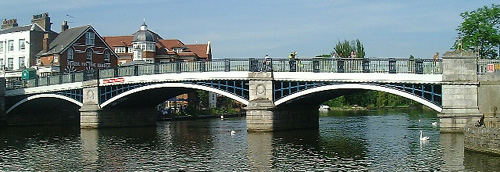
[480, 29]
[370, 99]
[324, 55]
[343, 49]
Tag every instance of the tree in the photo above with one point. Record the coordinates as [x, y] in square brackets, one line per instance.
[343, 49]
[324, 55]
[480, 31]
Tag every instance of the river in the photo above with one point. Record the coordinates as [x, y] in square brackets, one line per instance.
[366, 141]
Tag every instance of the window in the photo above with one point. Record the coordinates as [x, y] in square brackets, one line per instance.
[10, 63]
[22, 44]
[130, 50]
[89, 38]
[10, 45]
[120, 49]
[106, 56]
[89, 55]
[1, 46]
[21, 63]
[70, 54]
[150, 47]
[2, 66]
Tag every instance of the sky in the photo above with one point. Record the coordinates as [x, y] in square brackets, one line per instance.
[238, 28]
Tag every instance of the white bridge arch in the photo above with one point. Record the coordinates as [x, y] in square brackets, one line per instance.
[174, 85]
[358, 86]
[43, 96]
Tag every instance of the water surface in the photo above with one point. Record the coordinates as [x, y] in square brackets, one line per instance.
[373, 141]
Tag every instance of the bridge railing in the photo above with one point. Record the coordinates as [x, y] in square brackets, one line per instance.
[359, 65]
[317, 65]
[484, 64]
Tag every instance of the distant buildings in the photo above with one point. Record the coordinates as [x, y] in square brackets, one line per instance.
[81, 48]
[145, 45]
[20, 44]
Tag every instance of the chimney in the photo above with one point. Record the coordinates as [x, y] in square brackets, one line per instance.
[45, 42]
[64, 26]
[7, 24]
[43, 20]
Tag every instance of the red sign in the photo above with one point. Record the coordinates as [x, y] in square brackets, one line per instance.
[490, 68]
[112, 80]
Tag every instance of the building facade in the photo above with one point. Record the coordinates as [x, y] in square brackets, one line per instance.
[20, 44]
[145, 45]
[76, 49]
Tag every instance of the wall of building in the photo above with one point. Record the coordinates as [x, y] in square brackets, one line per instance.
[16, 54]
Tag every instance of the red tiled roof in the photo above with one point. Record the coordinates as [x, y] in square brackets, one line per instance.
[170, 43]
[119, 41]
[163, 46]
[198, 49]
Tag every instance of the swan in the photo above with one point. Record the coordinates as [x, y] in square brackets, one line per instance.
[435, 124]
[233, 132]
[222, 117]
[423, 138]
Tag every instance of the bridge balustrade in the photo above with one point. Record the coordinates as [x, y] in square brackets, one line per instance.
[322, 65]
[482, 65]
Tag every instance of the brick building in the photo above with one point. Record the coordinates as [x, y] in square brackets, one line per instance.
[145, 45]
[76, 49]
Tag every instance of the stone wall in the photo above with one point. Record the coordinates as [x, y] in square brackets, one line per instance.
[489, 99]
[482, 139]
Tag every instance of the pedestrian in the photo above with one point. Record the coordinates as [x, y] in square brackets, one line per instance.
[353, 54]
[436, 56]
[266, 63]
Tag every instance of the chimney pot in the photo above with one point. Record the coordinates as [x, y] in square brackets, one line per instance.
[64, 26]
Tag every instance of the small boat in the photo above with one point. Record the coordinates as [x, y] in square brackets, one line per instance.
[324, 107]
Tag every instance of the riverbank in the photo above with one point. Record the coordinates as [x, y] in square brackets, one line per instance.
[362, 108]
[482, 139]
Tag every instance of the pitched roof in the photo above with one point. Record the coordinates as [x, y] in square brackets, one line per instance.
[64, 39]
[34, 27]
[118, 41]
[198, 49]
[16, 29]
[170, 43]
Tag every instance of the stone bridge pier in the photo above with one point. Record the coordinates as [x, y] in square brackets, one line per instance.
[93, 116]
[263, 115]
[459, 91]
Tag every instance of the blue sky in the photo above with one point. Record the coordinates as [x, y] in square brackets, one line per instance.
[239, 28]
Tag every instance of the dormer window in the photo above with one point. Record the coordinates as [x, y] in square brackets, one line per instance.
[89, 38]
[178, 50]
[119, 49]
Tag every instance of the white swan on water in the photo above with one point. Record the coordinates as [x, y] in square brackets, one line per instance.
[435, 124]
[233, 132]
[422, 138]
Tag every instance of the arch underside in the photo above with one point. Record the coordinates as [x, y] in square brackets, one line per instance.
[46, 101]
[286, 92]
[152, 94]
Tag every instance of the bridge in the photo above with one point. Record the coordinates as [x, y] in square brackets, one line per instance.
[277, 93]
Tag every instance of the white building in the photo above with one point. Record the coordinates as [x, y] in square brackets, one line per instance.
[20, 44]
